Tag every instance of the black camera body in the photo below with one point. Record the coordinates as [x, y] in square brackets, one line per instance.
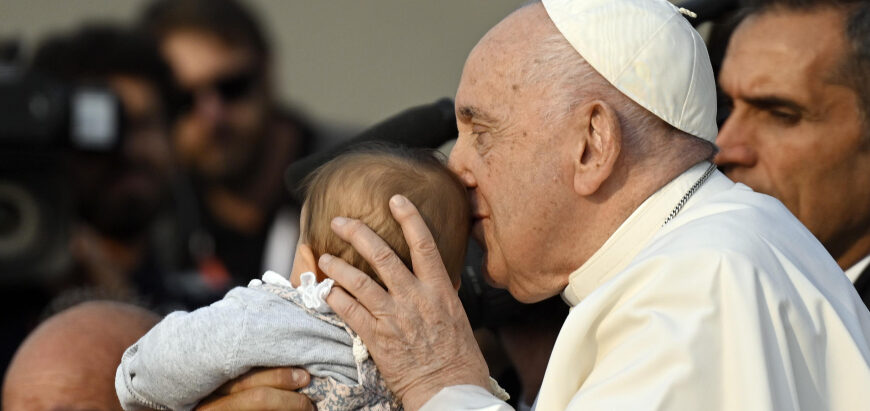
[41, 120]
[38, 112]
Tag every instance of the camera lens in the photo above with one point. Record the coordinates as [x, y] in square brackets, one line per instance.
[10, 218]
[19, 220]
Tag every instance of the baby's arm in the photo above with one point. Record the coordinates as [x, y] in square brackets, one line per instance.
[188, 355]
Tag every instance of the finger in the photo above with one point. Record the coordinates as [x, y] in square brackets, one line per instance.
[259, 398]
[376, 251]
[352, 312]
[369, 293]
[285, 378]
[425, 257]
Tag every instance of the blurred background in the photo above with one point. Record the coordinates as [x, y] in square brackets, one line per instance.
[144, 143]
[346, 62]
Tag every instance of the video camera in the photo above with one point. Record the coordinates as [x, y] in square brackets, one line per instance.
[41, 120]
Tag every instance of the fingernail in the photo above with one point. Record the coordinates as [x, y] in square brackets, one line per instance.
[324, 260]
[298, 376]
[398, 200]
[339, 221]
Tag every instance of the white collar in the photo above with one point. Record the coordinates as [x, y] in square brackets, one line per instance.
[631, 237]
[855, 270]
[313, 293]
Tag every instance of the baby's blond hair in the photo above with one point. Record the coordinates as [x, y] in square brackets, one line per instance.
[359, 184]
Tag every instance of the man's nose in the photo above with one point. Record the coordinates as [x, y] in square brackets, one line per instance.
[458, 162]
[735, 145]
[210, 107]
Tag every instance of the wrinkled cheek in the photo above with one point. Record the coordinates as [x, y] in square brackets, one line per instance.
[498, 264]
[491, 254]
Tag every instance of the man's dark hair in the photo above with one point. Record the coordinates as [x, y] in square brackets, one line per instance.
[228, 20]
[854, 70]
[98, 51]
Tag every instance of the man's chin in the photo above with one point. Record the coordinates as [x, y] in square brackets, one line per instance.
[520, 291]
[496, 281]
[525, 297]
[211, 168]
[490, 281]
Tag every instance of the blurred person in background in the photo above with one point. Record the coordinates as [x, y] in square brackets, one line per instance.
[69, 361]
[231, 136]
[119, 242]
[799, 127]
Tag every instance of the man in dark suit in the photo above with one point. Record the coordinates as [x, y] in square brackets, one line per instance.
[797, 73]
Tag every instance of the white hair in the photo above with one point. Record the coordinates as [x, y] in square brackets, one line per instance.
[573, 81]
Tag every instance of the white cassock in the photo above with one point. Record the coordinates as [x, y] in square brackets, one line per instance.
[733, 305]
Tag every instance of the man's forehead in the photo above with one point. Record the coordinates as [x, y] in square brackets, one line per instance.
[496, 67]
[486, 77]
[524, 23]
[773, 53]
[753, 65]
[504, 48]
[810, 40]
[485, 95]
[197, 56]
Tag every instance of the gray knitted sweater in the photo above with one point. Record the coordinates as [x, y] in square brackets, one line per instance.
[187, 356]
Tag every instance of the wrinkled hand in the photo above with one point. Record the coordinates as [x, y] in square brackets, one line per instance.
[417, 333]
[261, 389]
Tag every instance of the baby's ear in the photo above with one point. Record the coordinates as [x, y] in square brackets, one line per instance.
[308, 262]
[305, 259]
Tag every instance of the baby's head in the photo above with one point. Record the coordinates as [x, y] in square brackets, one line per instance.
[359, 184]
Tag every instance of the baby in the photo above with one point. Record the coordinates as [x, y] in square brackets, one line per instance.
[273, 323]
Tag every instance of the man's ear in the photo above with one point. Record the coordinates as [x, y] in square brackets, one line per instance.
[599, 143]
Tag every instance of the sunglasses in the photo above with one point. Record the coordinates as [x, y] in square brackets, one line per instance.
[230, 88]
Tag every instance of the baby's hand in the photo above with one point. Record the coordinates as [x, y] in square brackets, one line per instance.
[262, 389]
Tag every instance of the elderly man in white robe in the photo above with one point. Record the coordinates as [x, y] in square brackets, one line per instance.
[584, 141]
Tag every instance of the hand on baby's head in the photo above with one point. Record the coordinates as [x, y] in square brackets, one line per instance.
[359, 184]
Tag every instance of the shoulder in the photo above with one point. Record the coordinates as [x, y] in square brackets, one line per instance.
[739, 226]
[740, 247]
[259, 301]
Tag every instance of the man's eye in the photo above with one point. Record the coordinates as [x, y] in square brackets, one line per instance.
[478, 132]
[481, 138]
[785, 116]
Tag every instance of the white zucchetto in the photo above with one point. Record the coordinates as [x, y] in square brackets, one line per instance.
[649, 52]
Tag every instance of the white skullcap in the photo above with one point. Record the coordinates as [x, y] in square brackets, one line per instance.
[648, 51]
